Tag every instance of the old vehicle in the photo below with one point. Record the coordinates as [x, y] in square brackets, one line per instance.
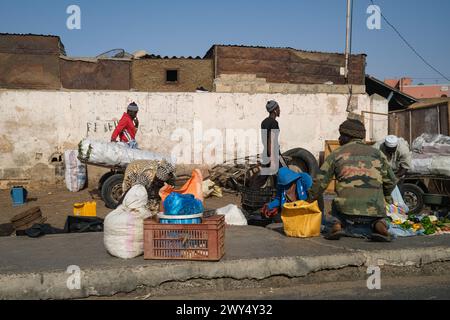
[420, 190]
[110, 184]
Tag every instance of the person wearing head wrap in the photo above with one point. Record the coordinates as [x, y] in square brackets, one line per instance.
[397, 153]
[291, 186]
[152, 174]
[127, 127]
[364, 181]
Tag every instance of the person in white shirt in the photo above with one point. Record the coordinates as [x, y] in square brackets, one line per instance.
[397, 153]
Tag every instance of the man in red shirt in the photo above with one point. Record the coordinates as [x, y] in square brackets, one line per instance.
[127, 127]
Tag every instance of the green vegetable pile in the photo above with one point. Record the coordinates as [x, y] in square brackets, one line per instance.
[428, 226]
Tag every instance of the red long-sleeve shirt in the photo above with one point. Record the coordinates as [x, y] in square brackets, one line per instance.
[125, 129]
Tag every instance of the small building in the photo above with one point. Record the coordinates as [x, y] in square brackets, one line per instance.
[280, 70]
[428, 116]
[154, 73]
[40, 62]
[30, 61]
[420, 91]
[397, 100]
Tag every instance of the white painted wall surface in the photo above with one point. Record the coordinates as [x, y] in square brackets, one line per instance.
[35, 124]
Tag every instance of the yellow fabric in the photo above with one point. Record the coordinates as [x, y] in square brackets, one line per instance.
[301, 219]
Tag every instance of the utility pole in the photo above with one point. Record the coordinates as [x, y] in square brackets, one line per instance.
[348, 37]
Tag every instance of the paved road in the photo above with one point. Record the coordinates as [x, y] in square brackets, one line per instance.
[422, 288]
[430, 282]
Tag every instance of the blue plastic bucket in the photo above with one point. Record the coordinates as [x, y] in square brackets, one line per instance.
[187, 219]
[19, 195]
[181, 221]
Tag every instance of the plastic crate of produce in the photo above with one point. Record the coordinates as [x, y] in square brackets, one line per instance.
[204, 241]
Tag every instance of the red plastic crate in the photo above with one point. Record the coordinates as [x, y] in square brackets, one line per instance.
[203, 241]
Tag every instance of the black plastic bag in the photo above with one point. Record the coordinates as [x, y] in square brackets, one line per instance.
[83, 224]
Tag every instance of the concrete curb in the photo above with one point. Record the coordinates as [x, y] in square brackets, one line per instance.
[107, 282]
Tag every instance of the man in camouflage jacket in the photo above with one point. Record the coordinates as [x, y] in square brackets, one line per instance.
[364, 181]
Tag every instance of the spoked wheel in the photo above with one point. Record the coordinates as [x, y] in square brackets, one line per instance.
[413, 197]
[112, 190]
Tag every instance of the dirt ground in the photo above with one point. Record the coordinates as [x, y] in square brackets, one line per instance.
[56, 204]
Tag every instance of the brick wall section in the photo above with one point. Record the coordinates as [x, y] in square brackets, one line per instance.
[99, 75]
[150, 74]
[284, 65]
[31, 44]
[250, 83]
[29, 71]
[30, 62]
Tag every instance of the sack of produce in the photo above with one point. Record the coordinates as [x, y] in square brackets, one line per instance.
[124, 227]
[75, 171]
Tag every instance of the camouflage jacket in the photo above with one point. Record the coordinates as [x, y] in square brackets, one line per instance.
[364, 180]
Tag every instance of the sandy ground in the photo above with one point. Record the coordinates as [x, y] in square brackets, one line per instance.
[57, 203]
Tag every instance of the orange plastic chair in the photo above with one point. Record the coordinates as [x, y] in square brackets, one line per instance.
[192, 186]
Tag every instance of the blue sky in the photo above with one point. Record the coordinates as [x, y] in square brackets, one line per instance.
[190, 27]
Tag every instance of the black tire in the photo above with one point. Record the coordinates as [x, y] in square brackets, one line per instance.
[413, 197]
[112, 190]
[305, 161]
[104, 178]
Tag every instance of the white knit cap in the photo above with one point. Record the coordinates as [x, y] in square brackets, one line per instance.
[391, 141]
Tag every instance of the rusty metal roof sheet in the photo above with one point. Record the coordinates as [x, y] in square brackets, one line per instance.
[154, 56]
[28, 34]
[209, 52]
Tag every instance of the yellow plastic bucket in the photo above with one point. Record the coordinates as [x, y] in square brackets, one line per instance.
[85, 209]
[301, 219]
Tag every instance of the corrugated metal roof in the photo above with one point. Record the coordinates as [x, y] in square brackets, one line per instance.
[209, 52]
[153, 56]
[424, 103]
[29, 34]
[62, 48]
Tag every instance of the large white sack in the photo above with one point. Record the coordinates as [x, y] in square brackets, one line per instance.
[114, 153]
[75, 171]
[233, 215]
[421, 163]
[124, 227]
[441, 165]
[432, 143]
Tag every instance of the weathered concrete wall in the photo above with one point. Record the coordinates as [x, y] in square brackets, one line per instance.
[250, 83]
[376, 121]
[150, 75]
[37, 124]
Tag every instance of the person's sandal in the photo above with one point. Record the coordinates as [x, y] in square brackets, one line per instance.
[376, 237]
[335, 235]
[380, 233]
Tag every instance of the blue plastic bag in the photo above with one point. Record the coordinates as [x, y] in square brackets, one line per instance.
[182, 204]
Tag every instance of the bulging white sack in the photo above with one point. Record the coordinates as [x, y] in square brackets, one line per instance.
[114, 153]
[124, 227]
[421, 163]
[233, 215]
[441, 165]
[75, 171]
